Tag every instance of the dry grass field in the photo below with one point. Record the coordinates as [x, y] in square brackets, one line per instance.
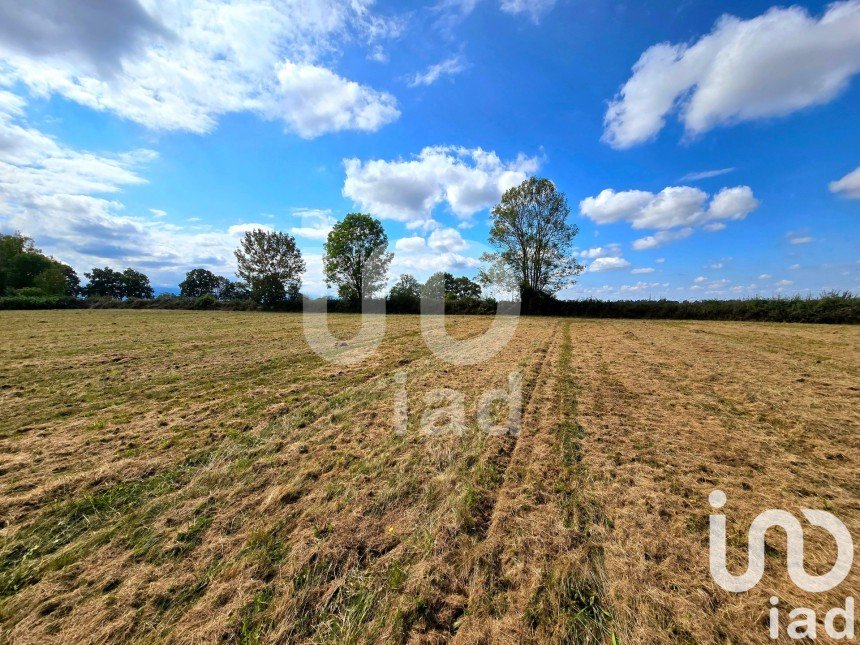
[200, 477]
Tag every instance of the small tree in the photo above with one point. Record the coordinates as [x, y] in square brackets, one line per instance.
[406, 288]
[405, 295]
[199, 282]
[435, 287]
[52, 281]
[356, 257]
[535, 241]
[229, 290]
[135, 284]
[104, 283]
[463, 288]
[271, 264]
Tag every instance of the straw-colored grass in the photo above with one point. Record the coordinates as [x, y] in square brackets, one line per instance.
[203, 476]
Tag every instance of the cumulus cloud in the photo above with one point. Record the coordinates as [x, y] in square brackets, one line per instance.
[848, 186]
[643, 270]
[447, 239]
[448, 67]
[443, 250]
[95, 33]
[423, 264]
[770, 65]
[193, 61]
[661, 238]
[315, 223]
[412, 244]
[313, 100]
[673, 207]
[608, 264]
[67, 200]
[466, 180]
[609, 250]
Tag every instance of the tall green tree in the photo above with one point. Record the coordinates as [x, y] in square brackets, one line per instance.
[356, 257]
[271, 264]
[533, 237]
[23, 266]
[199, 282]
[107, 283]
[104, 283]
[135, 285]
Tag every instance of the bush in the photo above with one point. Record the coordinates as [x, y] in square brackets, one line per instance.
[40, 302]
[206, 301]
[842, 308]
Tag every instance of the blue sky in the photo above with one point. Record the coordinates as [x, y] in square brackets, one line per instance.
[706, 149]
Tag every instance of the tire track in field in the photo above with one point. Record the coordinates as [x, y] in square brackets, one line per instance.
[487, 569]
[532, 409]
[540, 576]
[443, 619]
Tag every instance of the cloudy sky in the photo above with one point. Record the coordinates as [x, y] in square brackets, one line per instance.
[706, 149]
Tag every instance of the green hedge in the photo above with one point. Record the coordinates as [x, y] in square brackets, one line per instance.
[41, 302]
[829, 308]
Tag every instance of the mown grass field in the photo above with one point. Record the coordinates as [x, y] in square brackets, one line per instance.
[193, 477]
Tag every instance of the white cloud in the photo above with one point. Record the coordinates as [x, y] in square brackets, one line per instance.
[706, 174]
[313, 100]
[796, 237]
[452, 11]
[660, 260]
[199, 59]
[765, 276]
[423, 264]
[661, 238]
[610, 250]
[447, 239]
[467, 180]
[84, 31]
[157, 212]
[784, 283]
[534, 8]
[771, 65]
[66, 200]
[378, 54]
[848, 186]
[794, 267]
[608, 264]
[315, 223]
[448, 67]
[441, 251]
[676, 207]
[610, 206]
[413, 244]
[700, 279]
[643, 270]
[639, 287]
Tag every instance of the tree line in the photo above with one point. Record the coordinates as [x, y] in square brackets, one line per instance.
[533, 258]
